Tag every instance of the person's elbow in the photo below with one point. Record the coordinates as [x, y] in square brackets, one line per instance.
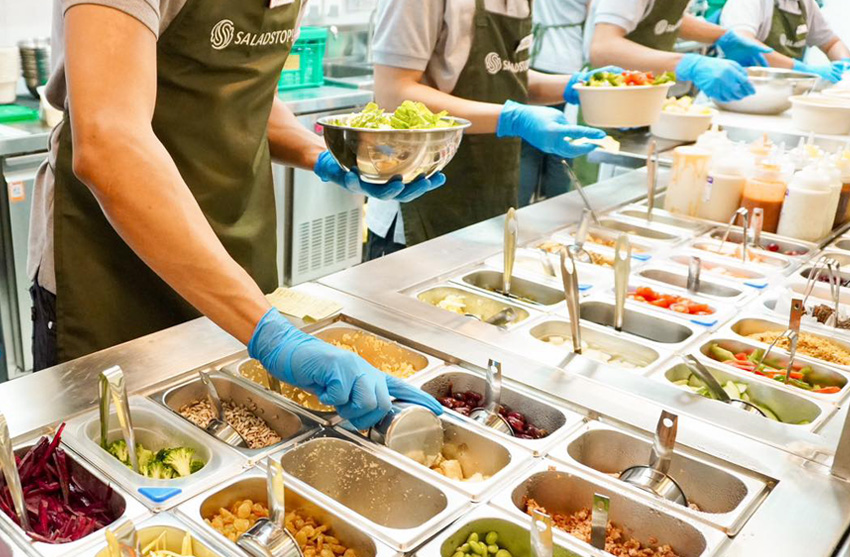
[601, 49]
[96, 140]
[392, 86]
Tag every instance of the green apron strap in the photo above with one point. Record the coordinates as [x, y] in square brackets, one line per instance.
[483, 177]
[539, 31]
[784, 35]
[660, 28]
[218, 66]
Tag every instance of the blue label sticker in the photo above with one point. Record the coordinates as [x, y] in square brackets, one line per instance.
[642, 257]
[704, 323]
[758, 285]
[160, 494]
[584, 287]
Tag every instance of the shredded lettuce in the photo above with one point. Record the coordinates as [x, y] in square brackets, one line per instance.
[409, 116]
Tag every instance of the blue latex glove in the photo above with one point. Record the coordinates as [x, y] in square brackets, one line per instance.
[545, 128]
[740, 49]
[831, 72]
[723, 80]
[330, 171]
[340, 378]
[571, 95]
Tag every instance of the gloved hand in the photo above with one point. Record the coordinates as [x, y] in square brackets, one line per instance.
[328, 170]
[545, 128]
[746, 52]
[338, 377]
[571, 95]
[720, 79]
[831, 72]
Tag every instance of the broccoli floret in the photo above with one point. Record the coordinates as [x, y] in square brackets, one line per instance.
[144, 456]
[119, 450]
[197, 465]
[180, 459]
[156, 470]
[160, 455]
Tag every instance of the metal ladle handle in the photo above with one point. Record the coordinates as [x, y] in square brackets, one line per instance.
[756, 225]
[622, 269]
[569, 274]
[212, 395]
[664, 443]
[599, 520]
[276, 492]
[580, 189]
[580, 236]
[511, 237]
[493, 388]
[541, 534]
[745, 217]
[694, 271]
[707, 378]
[10, 471]
[651, 178]
[113, 389]
[741, 212]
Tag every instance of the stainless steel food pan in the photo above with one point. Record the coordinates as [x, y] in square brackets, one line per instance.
[791, 409]
[389, 499]
[123, 505]
[252, 485]
[175, 531]
[724, 497]
[484, 306]
[475, 451]
[760, 260]
[524, 290]
[562, 490]
[528, 262]
[155, 428]
[786, 247]
[824, 375]
[286, 423]
[542, 414]
[842, 243]
[747, 325]
[640, 323]
[659, 216]
[656, 233]
[708, 287]
[641, 355]
[724, 268]
[604, 239]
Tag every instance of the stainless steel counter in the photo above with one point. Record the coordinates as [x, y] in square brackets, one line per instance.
[301, 101]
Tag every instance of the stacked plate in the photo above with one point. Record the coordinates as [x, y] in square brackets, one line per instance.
[9, 74]
[35, 61]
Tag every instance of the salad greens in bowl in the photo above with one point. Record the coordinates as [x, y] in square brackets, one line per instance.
[408, 143]
[627, 99]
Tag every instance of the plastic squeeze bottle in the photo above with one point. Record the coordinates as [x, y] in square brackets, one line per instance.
[766, 189]
[721, 195]
[809, 205]
[690, 171]
[842, 214]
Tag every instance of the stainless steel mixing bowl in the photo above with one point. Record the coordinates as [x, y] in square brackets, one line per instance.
[382, 155]
[774, 88]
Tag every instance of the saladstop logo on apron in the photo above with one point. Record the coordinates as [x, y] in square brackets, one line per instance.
[224, 34]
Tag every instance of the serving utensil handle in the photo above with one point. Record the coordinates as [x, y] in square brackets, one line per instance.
[511, 237]
[113, 387]
[622, 269]
[10, 471]
[569, 275]
[664, 443]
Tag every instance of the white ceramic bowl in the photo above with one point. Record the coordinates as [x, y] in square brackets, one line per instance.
[821, 114]
[682, 126]
[630, 106]
[837, 93]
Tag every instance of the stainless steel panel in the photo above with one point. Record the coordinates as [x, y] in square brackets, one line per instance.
[477, 304]
[526, 291]
[656, 233]
[637, 323]
[663, 217]
[287, 424]
[707, 287]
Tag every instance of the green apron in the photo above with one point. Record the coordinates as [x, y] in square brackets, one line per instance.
[483, 178]
[660, 28]
[788, 31]
[218, 65]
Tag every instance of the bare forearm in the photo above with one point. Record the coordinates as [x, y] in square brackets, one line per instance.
[165, 227]
[290, 142]
[696, 29]
[836, 50]
[391, 92]
[611, 48]
[545, 88]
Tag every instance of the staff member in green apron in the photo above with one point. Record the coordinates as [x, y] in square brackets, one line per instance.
[641, 34]
[158, 205]
[789, 27]
[470, 57]
[558, 27]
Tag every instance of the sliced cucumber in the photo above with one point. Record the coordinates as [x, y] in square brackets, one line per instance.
[732, 389]
[768, 412]
[695, 381]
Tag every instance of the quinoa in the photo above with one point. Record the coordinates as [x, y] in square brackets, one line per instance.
[808, 345]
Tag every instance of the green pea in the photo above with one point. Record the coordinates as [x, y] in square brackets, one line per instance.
[492, 538]
[464, 548]
[473, 537]
[477, 547]
[493, 548]
[503, 553]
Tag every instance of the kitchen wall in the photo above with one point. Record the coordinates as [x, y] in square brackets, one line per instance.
[20, 19]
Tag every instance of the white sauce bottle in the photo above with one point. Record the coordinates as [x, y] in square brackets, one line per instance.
[809, 205]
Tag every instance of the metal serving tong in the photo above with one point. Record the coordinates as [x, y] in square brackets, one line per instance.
[541, 534]
[546, 263]
[113, 389]
[694, 271]
[756, 226]
[599, 520]
[10, 471]
[218, 426]
[833, 267]
[124, 537]
[651, 178]
[580, 189]
[569, 275]
[489, 413]
[654, 478]
[511, 237]
[622, 269]
[716, 390]
[744, 215]
[501, 319]
[580, 237]
[792, 333]
[268, 537]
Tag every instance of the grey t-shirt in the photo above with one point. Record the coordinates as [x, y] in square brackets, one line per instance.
[756, 17]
